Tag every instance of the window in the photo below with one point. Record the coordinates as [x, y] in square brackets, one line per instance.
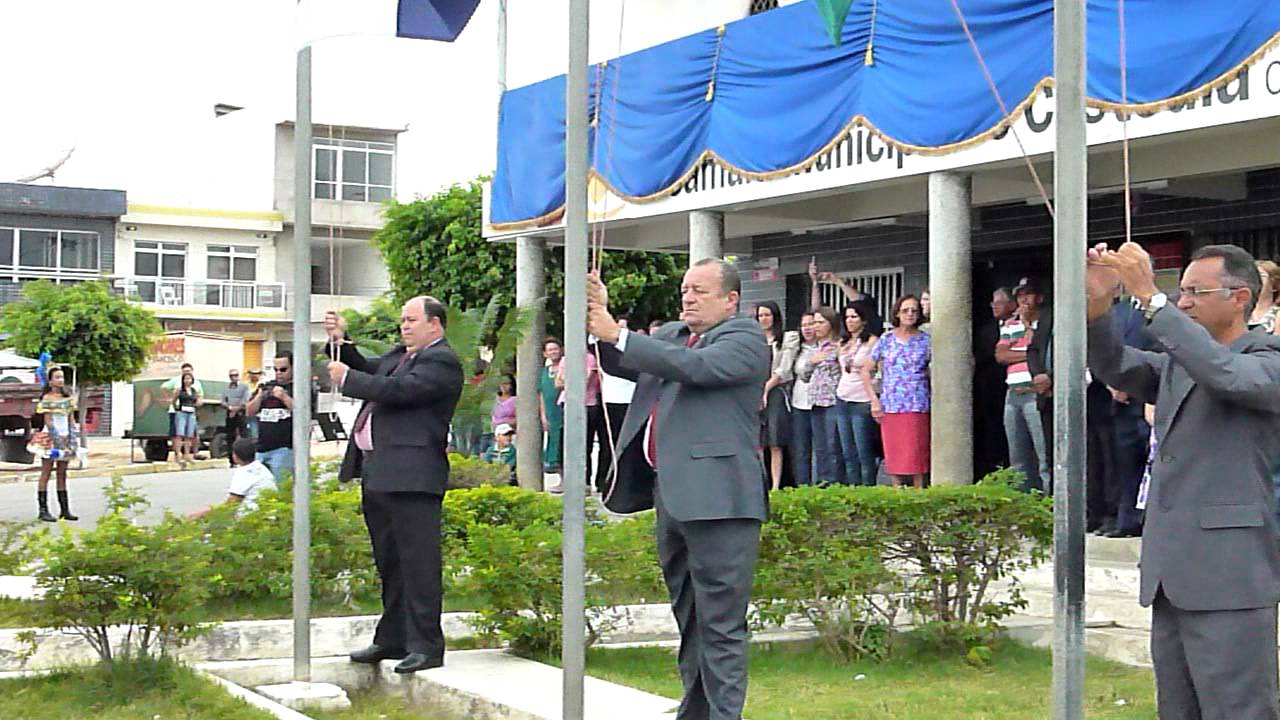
[233, 264]
[38, 248]
[160, 260]
[49, 250]
[884, 284]
[79, 250]
[759, 6]
[6, 247]
[354, 170]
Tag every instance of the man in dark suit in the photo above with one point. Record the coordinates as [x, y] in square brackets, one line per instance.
[694, 419]
[1130, 432]
[1210, 565]
[1101, 494]
[398, 446]
[990, 449]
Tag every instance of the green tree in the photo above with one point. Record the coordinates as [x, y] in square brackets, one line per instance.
[433, 246]
[102, 335]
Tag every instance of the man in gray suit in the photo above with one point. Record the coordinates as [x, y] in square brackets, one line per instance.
[1210, 566]
[694, 419]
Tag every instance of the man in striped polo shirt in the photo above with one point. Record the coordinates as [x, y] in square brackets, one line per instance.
[1022, 427]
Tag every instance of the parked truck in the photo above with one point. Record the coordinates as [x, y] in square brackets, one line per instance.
[151, 418]
[18, 400]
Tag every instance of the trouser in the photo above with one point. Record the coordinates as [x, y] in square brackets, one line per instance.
[595, 434]
[279, 461]
[802, 446]
[551, 456]
[990, 447]
[858, 430]
[234, 429]
[1214, 664]
[1132, 438]
[709, 566]
[1102, 490]
[828, 461]
[616, 412]
[404, 528]
[1025, 433]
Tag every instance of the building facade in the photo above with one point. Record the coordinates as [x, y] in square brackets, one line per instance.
[60, 234]
[1202, 170]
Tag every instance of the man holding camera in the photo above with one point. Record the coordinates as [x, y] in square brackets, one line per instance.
[272, 404]
[398, 448]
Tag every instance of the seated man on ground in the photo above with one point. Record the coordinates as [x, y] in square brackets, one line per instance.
[249, 478]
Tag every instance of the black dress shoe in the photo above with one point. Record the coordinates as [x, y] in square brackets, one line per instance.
[376, 653]
[418, 661]
[1123, 533]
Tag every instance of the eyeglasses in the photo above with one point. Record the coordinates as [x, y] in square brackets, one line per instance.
[1197, 293]
[282, 369]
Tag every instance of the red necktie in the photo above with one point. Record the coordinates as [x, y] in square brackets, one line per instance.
[362, 417]
[651, 448]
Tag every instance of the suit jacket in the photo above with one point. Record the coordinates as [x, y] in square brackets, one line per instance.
[413, 408]
[1209, 537]
[708, 420]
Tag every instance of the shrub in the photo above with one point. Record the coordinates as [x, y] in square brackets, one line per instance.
[472, 472]
[149, 579]
[848, 559]
[820, 559]
[504, 546]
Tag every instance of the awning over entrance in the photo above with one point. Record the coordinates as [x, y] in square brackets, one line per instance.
[766, 95]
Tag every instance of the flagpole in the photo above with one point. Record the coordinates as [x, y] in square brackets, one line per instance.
[573, 544]
[1070, 190]
[302, 372]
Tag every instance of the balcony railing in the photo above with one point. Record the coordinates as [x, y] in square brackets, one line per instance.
[229, 294]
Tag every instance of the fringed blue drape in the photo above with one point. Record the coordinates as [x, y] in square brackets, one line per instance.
[766, 94]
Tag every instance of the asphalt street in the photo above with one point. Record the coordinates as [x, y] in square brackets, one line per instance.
[180, 492]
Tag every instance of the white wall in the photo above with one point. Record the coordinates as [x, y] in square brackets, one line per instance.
[214, 357]
[538, 39]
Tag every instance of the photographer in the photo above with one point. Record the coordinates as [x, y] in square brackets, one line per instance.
[273, 406]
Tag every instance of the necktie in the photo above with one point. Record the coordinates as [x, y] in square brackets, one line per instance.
[651, 447]
[362, 418]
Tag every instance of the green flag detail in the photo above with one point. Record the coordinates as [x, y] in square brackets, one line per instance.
[833, 14]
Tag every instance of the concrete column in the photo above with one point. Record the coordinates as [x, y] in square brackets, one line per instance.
[706, 235]
[951, 327]
[530, 289]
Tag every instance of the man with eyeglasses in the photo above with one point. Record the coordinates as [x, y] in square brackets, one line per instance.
[1210, 565]
[273, 406]
[234, 398]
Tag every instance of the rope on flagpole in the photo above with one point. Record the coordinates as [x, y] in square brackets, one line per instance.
[1004, 109]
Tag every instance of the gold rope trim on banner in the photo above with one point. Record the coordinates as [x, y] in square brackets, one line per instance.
[715, 65]
[869, 59]
[924, 150]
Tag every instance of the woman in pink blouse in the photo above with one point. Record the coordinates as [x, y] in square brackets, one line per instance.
[858, 429]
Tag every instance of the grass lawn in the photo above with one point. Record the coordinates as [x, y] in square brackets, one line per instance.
[795, 681]
[140, 690]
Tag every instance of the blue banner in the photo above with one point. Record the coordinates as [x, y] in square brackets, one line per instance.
[433, 19]
[765, 95]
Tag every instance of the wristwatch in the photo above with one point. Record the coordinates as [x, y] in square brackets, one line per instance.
[1154, 305]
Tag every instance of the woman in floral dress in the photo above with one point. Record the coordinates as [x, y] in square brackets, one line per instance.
[902, 403]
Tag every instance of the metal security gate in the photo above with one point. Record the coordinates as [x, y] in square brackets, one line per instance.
[883, 284]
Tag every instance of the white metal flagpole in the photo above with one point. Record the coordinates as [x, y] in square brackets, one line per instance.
[1070, 190]
[573, 544]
